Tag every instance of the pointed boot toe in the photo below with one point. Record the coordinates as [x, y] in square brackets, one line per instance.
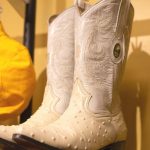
[36, 145]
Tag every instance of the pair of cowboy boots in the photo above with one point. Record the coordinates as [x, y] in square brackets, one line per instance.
[87, 49]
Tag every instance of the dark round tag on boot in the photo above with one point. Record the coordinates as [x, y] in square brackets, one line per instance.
[117, 50]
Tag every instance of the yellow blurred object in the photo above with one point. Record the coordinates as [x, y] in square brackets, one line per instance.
[17, 77]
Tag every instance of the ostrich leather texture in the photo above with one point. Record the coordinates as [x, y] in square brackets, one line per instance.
[94, 118]
[60, 70]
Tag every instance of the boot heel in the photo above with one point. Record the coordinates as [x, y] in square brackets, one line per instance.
[115, 146]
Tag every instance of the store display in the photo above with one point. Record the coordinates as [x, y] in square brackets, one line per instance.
[94, 118]
[59, 76]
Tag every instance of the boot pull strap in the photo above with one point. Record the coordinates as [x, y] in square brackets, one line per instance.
[80, 3]
[126, 7]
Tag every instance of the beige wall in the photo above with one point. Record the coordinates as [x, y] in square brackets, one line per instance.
[135, 91]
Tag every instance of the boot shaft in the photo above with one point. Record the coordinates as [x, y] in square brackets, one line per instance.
[102, 37]
[60, 67]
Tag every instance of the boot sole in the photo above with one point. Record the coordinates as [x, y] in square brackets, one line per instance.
[32, 144]
[115, 146]
[7, 145]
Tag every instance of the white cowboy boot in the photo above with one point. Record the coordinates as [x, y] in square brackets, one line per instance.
[93, 120]
[60, 71]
